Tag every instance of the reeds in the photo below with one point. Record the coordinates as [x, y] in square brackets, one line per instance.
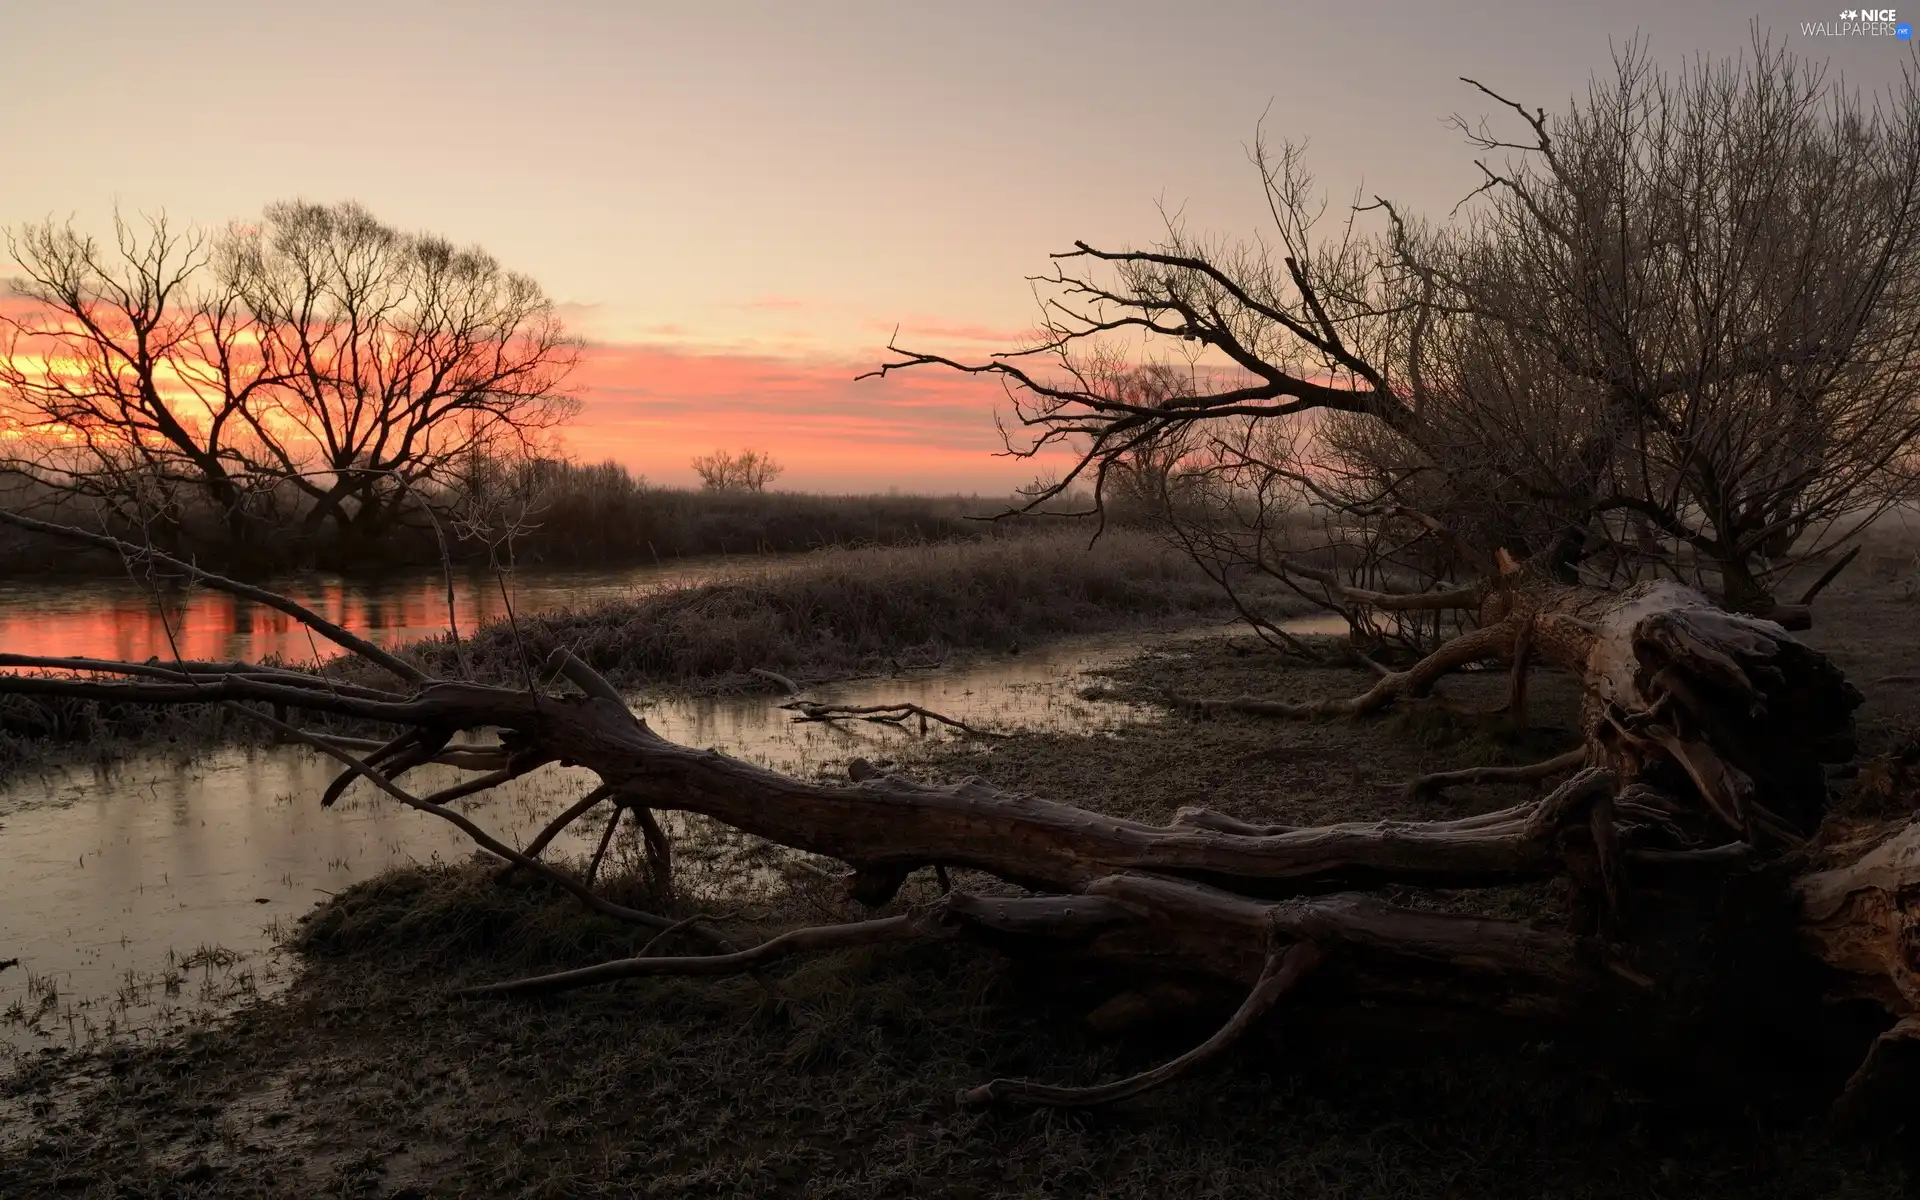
[829, 613]
[838, 611]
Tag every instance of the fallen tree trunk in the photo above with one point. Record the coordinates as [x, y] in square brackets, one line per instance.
[1705, 733]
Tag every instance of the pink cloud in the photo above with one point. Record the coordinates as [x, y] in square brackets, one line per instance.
[655, 407]
[774, 302]
[930, 329]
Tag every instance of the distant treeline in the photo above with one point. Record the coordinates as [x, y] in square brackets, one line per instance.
[550, 513]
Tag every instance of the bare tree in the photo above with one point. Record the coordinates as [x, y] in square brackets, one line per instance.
[318, 364]
[747, 471]
[125, 375]
[1683, 322]
[401, 356]
[1716, 276]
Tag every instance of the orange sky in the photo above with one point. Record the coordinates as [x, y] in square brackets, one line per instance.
[655, 407]
[736, 202]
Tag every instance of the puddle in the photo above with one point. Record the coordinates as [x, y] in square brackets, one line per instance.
[140, 894]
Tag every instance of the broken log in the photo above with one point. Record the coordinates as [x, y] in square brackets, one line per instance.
[1698, 805]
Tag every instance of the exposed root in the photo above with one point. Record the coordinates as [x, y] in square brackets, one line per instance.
[1428, 786]
[1566, 805]
[800, 941]
[1283, 969]
[1490, 641]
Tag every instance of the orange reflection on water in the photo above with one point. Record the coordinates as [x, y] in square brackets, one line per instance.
[115, 618]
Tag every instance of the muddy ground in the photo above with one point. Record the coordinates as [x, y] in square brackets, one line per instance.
[836, 1076]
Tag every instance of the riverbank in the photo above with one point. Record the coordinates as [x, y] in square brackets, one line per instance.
[842, 612]
[580, 515]
[834, 1075]
[823, 615]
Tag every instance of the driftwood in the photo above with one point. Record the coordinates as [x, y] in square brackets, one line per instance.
[1699, 789]
[882, 714]
[896, 714]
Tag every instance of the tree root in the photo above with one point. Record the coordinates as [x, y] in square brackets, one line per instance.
[1284, 969]
[1489, 641]
[798, 941]
[1430, 786]
[1696, 720]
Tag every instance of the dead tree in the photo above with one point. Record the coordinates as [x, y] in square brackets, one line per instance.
[1673, 336]
[1701, 801]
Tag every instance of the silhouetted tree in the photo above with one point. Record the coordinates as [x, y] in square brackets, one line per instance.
[124, 373]
[318, 363]
[747, 471]
[1689, 305]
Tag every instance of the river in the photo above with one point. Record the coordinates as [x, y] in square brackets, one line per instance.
[121, 617]
[138, 895]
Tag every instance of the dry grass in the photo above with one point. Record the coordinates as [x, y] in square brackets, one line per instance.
[603, 514]
[829, 613]
[580, 515]
[837, 1078]
[838, 1082]
[838, 612]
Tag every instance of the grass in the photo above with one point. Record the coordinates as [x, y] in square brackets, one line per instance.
[838, 612]
[836, 1077]
[576, 515]
[603, 514]
[830, 613]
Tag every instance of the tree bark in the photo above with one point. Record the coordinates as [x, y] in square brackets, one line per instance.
[1699, 810]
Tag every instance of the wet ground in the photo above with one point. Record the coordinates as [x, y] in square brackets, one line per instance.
[141, 895]
[835, 1076]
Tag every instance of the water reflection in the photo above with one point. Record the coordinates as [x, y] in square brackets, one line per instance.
[137, 894]
[115, 617]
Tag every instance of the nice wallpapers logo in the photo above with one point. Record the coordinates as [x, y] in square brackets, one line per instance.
[1861, 22]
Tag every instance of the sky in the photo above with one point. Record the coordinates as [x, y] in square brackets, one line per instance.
[737, 204]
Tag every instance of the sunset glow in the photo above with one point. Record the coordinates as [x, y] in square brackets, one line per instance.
[737, 206]
[655, 407]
